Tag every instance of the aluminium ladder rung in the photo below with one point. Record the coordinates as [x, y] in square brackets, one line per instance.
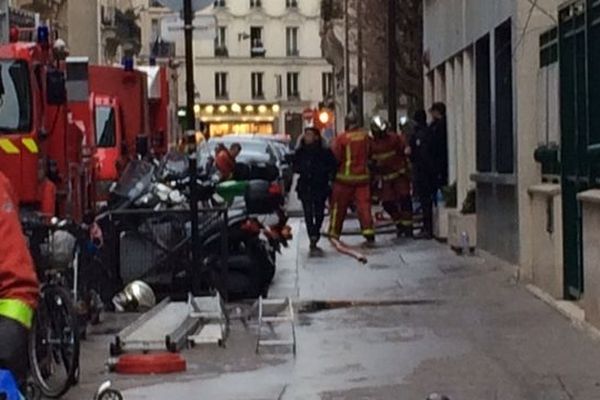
[277, 311]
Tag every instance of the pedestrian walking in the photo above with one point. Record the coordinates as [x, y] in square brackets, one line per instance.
[391, 174]
[19, 287]
[352, 150]
[425, 169]
[316, 165]
[439, 142]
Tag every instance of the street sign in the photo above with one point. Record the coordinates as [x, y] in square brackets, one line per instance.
[177, 5]
[205, 28]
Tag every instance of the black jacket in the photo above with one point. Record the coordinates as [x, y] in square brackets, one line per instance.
[316, 166]
[439, 147]
[423, 157]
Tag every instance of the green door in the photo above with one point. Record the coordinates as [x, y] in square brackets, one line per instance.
[574, 137]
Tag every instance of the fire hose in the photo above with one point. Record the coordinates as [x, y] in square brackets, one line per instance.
[344, 249]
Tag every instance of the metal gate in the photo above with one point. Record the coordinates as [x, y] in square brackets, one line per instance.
[579, 57]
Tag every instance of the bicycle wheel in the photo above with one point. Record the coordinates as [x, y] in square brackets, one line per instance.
[54, 343]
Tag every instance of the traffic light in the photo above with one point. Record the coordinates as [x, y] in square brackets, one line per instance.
[324, 116]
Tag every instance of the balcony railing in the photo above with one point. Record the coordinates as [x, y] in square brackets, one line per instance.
[294, 96]
[221, 51]
[258, 50]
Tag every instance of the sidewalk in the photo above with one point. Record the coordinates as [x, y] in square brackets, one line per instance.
[436, 323]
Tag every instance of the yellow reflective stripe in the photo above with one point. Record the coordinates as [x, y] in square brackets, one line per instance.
[394, 175]
[357, 136]
[368, 232]
[31, 145]
[384, 156]
[333, 222]
[348, 160]
[352, 178]
[17, 311]
[8, 147]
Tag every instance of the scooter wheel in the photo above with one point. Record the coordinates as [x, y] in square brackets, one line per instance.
[110, 394]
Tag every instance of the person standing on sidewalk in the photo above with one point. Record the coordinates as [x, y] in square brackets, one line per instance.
[439, 142]
[316, 165]
[352, 150]
[425, 170]
[19, 288]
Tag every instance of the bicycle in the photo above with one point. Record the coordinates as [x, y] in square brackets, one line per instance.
[54, 337]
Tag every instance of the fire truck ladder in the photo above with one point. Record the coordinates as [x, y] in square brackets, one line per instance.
[271, 312]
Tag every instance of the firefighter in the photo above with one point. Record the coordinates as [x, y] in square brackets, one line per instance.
[19, 288]
[391, 175]
[352, 182]
[225, 160]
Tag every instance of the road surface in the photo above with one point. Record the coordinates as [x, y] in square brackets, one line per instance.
[416, 319]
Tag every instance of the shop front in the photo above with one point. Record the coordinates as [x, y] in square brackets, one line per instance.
[229, 119]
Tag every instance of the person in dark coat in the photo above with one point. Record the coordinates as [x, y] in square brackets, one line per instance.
[425, 169]
[439, 142]
[316, 165]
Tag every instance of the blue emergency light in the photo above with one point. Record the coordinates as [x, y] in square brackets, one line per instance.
[127, 63]
[43, 34]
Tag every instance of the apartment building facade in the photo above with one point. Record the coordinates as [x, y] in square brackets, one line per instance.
[262, 69]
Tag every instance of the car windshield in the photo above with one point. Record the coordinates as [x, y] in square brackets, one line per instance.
[15, 97]
[105, 127]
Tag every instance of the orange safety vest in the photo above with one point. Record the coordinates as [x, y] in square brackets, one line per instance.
[388, 155]
[19, 288]
[352, 151]
[225, 163]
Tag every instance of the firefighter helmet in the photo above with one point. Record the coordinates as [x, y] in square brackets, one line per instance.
[379, 126]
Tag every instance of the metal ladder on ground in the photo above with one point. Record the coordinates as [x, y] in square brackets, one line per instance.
[214, 326]
[172, 326]
[271, 312]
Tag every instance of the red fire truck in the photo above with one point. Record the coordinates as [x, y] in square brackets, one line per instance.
[41, 144]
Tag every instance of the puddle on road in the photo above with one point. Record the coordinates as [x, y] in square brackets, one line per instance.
[311, 307]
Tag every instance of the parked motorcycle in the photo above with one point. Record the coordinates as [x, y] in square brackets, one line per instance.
[152, 205]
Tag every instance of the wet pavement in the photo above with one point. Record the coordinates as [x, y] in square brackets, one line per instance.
[416, 319]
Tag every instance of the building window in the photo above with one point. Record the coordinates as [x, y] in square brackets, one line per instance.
[291, 35]
[155, 29]
[292, 85]
[278, 86]
[255, 3]
[257, 48]
[483, 97]
[257, 85]
[221, 85]
[221, 42]
[291, 3]
[327, 83]
[504, 99]
[549, 47]
[220, 3]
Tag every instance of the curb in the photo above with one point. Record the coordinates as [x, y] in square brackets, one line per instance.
[567, 309]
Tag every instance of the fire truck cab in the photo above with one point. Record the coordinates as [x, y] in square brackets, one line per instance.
[40, 142]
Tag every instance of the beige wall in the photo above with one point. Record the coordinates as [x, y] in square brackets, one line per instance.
[526, 72]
